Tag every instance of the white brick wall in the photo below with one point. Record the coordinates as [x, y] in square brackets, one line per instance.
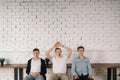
[26, 24]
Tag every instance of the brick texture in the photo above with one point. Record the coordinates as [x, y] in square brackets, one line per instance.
[26, 24]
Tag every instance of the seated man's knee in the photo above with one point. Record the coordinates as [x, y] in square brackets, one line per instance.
[40, 78]
[28, 77]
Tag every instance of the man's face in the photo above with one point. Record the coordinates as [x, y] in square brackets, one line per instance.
[58, 52]
[81, 51]
[36, 54]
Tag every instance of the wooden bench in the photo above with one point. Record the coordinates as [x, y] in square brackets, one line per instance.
[111, 69]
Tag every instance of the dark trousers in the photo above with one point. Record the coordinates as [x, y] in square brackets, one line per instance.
[83, 77]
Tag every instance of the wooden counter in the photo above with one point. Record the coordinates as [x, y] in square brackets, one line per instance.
[94, 65]
[111, 69]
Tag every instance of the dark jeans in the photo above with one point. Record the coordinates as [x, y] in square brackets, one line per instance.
[83, 77]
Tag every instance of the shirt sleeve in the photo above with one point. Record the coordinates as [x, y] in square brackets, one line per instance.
[73, 70]
[89, 67]
[66, 58]
[52, 59]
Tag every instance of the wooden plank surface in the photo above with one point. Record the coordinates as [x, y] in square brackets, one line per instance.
[94, 65]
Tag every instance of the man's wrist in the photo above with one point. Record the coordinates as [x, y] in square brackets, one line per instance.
[54, 46]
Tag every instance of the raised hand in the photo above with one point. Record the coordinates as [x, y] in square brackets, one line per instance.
[58, 44]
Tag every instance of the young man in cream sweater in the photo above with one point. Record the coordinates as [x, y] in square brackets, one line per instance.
[59, 62]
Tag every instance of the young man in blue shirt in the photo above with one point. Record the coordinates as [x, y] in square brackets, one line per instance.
[81, 67]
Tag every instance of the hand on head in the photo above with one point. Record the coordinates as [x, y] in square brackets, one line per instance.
[58, 44]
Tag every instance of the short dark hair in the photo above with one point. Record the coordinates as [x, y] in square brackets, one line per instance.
[57, 49]
[36, 49]
[80, 47]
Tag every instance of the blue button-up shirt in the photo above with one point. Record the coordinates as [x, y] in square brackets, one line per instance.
[81, 66]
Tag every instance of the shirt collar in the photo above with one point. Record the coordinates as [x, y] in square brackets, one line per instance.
[83, 57]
